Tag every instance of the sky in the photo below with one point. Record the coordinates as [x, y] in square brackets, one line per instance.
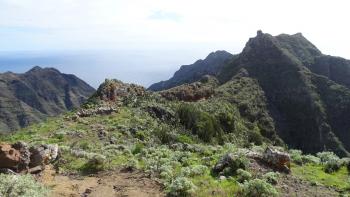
[144, 41]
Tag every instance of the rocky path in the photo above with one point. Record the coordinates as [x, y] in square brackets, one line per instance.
[107, 184]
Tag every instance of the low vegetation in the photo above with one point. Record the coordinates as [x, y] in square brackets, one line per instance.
[21, 185]
[179, 147]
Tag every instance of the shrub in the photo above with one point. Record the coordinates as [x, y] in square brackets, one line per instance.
[296, 156]
[258, 188]
[255, 137]
[311, 159]
[243, 175]
[271, 177]
[348, 167]
[200, 123]
[132, 164]
[344, 161]
[184, 139]
[25, 185]
[166, 172]
[327, 156]
[141, 135]
[238, 162]
[181, 186]
[137, 149]
[95, 163]
[332, 166]
[164, 134]
[196, 170]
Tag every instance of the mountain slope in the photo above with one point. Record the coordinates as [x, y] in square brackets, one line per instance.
[36, 94]
[290, 90]
[211, 65]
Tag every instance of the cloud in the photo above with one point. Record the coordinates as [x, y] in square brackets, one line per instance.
[164, 15]
[226, 24]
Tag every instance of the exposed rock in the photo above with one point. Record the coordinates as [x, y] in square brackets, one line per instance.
[9, 157]
[43, 155]
[6, 171]
[20, 158]
[160, 113]
[189, 92]
[115, 90]
[23, 148]
[279, 160]
[97, 111]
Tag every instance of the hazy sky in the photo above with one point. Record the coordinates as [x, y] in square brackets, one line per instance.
[191, 27]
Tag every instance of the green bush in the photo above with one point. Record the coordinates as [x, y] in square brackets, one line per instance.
[311, 159]
[239, 162]
[164, 134]
[141, 135]
[202, 124]
[327, 156]
[348, 167]
[255, 137]
[258, 188]
[296, 156]
[181, 186]
[137, 148]
[332, 166]
[94, 164]
[195, 170]
[24, 186]
[271, 177]
[184, 139]
[243, 175]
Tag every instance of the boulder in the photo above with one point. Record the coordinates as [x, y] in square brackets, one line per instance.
[9, 157]
[19, 157]
[277, 159]
[43, 155]
[23, 148]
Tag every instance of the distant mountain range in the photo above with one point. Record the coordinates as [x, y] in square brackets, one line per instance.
[37, 94]
[211, 65]
[285, 85]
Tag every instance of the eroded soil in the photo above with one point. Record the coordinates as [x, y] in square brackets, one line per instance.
[106, 184]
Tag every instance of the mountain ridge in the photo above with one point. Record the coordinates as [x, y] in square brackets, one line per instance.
[296, 79]
[37, 94]
[193, 72]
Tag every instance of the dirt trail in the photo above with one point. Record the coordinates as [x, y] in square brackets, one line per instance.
[107, 184]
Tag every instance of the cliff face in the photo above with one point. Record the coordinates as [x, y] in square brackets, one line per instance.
[37, 94]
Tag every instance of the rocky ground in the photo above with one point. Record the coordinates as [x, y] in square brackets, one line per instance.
[108, 184]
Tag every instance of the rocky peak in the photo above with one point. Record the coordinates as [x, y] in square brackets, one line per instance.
[115, 90]
[218, 55]
[39, 70]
